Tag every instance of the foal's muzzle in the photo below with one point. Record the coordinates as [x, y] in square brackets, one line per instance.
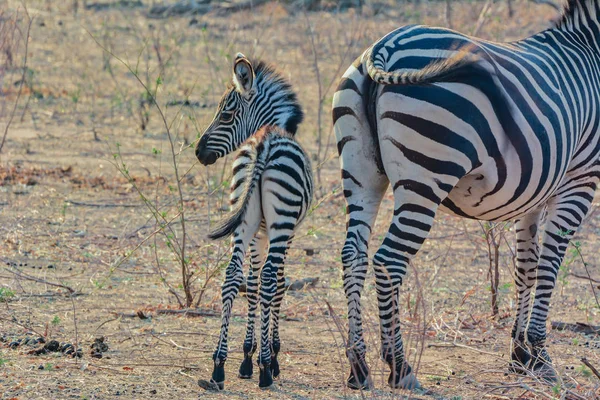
[205, 156]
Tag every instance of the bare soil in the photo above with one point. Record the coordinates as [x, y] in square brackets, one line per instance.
[68, 216]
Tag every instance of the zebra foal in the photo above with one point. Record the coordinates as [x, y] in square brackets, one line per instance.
[483, 130]
[271, 193]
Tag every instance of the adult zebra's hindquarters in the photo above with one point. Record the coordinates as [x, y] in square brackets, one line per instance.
[481, 130]
[271, 193]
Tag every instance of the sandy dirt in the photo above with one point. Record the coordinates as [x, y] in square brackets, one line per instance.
[69, 217]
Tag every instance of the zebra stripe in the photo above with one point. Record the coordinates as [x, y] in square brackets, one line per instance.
[271, 193]
[483, 130]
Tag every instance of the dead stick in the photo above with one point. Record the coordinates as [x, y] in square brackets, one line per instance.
[108, 205]
[590, 366]
[34, 279]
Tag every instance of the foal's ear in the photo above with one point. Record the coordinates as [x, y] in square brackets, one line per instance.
[243, 74]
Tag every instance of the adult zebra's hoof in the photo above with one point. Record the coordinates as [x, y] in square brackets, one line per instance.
[359, 376]
[516, 367]
[545, 372]
[409, 382]
[218, 375]
[275, 366]
[210, 385]
[542, 366]
[520, 359]
[246, 369]
[265, 377]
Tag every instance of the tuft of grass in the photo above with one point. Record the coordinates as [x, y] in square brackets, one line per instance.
[5, 294]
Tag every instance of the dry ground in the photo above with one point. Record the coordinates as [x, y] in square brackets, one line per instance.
[64, 203]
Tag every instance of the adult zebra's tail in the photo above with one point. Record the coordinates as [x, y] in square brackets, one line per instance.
[227, 226]
[438, 70]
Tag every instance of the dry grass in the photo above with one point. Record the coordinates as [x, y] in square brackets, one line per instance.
[62, 203]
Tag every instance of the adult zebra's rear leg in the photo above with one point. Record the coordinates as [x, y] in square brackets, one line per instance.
[364, 185]
[527, 260]
[566, 211]
[257, 258]
[422, 178]
[416, 202]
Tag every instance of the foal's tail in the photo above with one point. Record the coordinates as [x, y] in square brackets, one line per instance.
[228, 226]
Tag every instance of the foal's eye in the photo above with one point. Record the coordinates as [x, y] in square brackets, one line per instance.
[226, 116]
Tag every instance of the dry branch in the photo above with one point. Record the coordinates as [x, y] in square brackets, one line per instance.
[106, 205]
[579, 327]
[590, 366]
[195, 7]
[21, 81]
[547, 2]
[23, 275]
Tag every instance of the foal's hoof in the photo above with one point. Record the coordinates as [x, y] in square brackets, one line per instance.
[265, 377]
[218, 375]
[359, 377]
[275, 367]
[408, 382]
[246, 368]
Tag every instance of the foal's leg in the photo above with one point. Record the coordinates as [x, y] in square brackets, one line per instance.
[566, 211]
[257, 256]
[276, 342]
[527, 258]
[233, 278]
[268, 291]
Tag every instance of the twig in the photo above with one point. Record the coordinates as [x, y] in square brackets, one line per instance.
[576, 327]
[29, 328]
[590, 366]
[25, 276]
[107, 205]
[483, 16]
[547, 2]
[195, 313]
[464, 346]
[76, 331]
[584, 277]
[22, 80]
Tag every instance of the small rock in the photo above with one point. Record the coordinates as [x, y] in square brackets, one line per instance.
[50, 266]
[153, 391]
[52, 345]
[40, 366]
[65, 347]
[99, 345]
[14, 345]
[303, 283]
[96, 354]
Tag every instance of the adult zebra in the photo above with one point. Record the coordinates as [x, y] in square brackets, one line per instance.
[478, 129]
